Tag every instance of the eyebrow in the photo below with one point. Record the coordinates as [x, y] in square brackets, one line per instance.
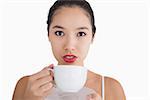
[79, 28]
[57, 26]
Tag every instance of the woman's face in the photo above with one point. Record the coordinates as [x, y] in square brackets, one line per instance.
[70, 35]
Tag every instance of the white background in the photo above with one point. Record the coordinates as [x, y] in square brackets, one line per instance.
[120, 48]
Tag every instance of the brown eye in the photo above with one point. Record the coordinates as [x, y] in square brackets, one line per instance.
[59, 33]
[81, 34]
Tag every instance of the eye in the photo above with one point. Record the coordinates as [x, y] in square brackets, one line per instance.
[59, 33]
[81, 34]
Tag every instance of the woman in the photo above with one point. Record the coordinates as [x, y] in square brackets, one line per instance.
[71, 29]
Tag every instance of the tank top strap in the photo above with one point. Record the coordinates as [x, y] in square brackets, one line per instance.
[103, 87]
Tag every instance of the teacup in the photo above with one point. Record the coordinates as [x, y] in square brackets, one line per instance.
[70, 78]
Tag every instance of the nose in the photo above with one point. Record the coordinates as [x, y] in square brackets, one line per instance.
[69, 46]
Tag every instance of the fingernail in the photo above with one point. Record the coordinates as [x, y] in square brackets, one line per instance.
[51, 66]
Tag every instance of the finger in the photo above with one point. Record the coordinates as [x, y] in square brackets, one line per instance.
[51, 66]
[46, 87]
[40, 74]
[47, 93]
[41, 91]
[42, 81]
[48, 90]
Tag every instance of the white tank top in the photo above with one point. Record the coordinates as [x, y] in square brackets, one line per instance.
[57, 94]
[103, 88]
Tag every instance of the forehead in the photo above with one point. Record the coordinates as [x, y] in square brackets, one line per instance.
[71, 17]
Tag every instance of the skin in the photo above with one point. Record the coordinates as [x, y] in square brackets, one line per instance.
[76, 35]
[70, 33]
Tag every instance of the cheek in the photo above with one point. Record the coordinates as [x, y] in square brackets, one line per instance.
[56, 48]
[84, 48]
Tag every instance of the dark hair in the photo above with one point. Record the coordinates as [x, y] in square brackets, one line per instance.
[71, 3]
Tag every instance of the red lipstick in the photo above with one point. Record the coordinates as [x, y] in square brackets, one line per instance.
[69, 58]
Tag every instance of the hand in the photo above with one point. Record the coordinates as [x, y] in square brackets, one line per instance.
[39, 85]
[93, 96]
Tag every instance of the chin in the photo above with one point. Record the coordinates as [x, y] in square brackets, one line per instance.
[74, 63]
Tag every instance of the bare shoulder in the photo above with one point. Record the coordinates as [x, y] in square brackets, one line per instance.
[113, 89]
[20, 88]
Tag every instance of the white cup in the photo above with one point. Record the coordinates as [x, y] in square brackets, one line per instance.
[70, 78]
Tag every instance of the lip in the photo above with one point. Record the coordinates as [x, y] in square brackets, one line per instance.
[72, 58]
